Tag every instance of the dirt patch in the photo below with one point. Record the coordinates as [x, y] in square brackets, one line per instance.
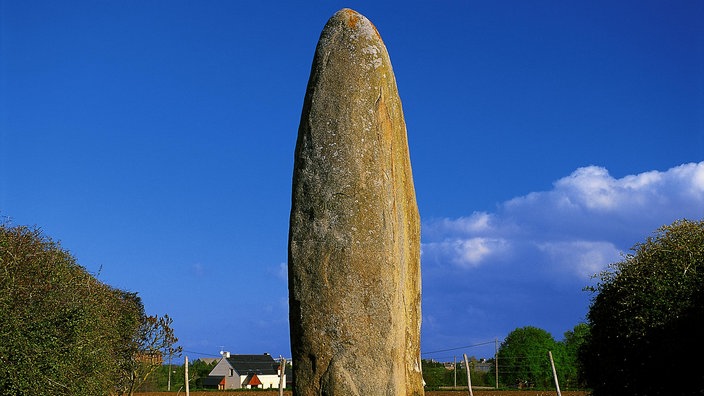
[477, 392]
[491, 392]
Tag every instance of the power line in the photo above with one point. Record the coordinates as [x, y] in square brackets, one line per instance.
[422, 353]
[201, 353]
[462, 347]
[218, 355]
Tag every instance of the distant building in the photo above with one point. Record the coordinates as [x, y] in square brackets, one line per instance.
[245, 371]
[209, 360]
[150, 357]
[481, 365]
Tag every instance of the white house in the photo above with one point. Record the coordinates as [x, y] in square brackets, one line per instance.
[245, 371]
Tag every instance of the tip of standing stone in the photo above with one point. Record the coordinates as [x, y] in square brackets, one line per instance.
[354, 20]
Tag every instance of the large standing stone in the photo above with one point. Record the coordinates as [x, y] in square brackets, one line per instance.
[354, 238]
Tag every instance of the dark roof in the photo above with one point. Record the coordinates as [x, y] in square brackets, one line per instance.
[213, 381]
[254, 364]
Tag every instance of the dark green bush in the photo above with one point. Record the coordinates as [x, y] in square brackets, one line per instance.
[645, 319]
[63, 332]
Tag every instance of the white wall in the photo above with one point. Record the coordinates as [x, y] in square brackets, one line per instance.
[268, 381]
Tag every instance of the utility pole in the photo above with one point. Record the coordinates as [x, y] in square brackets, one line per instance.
[454, 367]
[169, 385]
[188, 393]
[282, 373]
[469, 377]
[496, 360]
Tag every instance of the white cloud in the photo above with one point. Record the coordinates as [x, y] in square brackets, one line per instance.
[573, 230]
[592, 190]
[470, 252]
[580, 258]
[477, 222]
[589, 187]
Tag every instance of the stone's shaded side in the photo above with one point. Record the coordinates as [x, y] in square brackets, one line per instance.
[354, 237]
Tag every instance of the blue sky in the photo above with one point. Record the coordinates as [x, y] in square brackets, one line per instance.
[155, 140]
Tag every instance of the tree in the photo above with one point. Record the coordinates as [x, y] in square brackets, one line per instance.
[567, 357]
[199, 370]
[433, 373]
[523, 357]
[154, 342]
[645, 315]
[437, 374]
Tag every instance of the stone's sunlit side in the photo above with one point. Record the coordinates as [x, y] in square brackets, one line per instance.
[354, 237]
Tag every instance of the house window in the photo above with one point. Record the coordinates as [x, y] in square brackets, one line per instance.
[232, 372]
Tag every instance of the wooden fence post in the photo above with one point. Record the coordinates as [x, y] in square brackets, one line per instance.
[554, 374]
[469, 377]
